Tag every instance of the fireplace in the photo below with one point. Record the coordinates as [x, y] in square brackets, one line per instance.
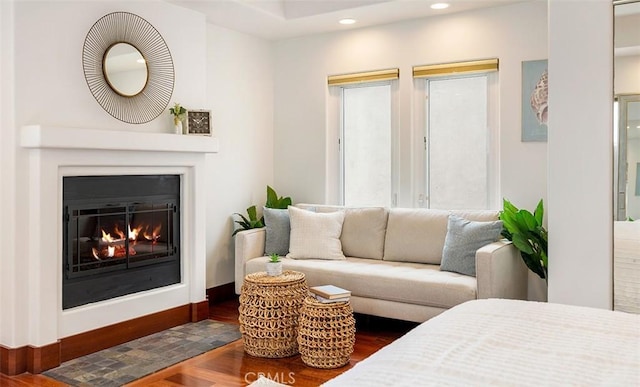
[121, 235]
[58, 155]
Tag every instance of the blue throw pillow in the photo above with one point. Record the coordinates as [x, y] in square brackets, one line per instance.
[464, 238]
[278, 228]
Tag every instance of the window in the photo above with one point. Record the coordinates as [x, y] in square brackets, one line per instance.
[366, 145]
[460, 151]
[364, 159]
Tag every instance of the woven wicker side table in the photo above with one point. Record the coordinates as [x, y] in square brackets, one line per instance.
[326, 334]
[269, 310]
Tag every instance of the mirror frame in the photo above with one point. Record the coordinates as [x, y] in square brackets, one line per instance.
[126, 27]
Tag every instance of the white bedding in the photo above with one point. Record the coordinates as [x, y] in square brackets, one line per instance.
[509, 343]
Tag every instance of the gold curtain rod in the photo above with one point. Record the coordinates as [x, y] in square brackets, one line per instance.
[476, 66]
[369, 76]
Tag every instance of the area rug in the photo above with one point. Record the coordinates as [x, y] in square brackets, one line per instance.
[132, 360]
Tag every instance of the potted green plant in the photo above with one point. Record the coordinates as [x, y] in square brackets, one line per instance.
[274, 266]
[528, 235]
[178, 113]
[248, 222]
[251, 220]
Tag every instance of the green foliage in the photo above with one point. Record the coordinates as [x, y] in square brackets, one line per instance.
[249, 223]
[177, 112]
[273, 257]
[273, 201]
[528, 234]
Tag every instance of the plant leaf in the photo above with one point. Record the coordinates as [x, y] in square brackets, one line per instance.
[522, 243]
[272, 198]
[526, 220]
[533, 264]
[539, 212]
[508, 206]
[253, 215]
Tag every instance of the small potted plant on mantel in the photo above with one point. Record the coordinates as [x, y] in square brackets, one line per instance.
[178, 113]
[274, 266]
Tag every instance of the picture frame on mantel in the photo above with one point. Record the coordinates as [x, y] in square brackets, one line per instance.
[535, 104]
[198, 122]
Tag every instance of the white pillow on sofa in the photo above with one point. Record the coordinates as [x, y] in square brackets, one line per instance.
[315, 235]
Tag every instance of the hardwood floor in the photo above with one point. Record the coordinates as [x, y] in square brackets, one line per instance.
[230, 366]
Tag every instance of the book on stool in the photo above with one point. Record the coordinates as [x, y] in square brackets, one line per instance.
[330, 293]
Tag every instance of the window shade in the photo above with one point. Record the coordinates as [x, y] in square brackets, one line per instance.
[436, 70]
[369, 76]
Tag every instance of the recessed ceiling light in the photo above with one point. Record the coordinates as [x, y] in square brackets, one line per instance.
[347, 21]
[439, 6]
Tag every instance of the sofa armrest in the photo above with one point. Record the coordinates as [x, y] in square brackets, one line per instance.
[500, 271]
[249, 244]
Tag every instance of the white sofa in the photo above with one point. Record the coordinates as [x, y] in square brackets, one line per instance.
[392, 265]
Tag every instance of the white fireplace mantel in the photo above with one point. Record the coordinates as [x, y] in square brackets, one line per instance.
[38, 136]
[57, 152]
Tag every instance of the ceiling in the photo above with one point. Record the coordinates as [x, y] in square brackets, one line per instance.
[283, 19]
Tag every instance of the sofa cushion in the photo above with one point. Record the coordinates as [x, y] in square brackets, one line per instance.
[464, 238]
[363, 232]
[418, 234]
[415, 235]
[277, 231]
[405, 282]
[315, 235]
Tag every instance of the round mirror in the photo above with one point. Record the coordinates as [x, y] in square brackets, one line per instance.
[128, 67]
[125, 69]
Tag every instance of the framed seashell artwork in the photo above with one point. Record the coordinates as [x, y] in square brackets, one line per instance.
[535, 104]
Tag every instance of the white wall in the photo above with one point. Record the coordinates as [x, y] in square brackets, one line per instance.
[52, 88]
[9, 283]
[240, 93]
[512, 33]
[580, 152]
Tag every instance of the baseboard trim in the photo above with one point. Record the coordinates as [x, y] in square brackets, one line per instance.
[30, 359]
[15, 361]
[200, 311]
[221, 293]
[112, 335]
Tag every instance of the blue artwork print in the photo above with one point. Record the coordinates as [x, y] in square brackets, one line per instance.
[535, 105]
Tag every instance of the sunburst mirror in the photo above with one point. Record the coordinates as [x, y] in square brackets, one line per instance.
[128, 67]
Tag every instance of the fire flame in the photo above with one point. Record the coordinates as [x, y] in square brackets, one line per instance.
[115, 246]
[155, 234]
[106, 237]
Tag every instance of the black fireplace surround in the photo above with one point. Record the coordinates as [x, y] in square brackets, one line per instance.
[121, 235]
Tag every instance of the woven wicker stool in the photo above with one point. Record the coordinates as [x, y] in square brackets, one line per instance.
[326, 334]
[269, 310]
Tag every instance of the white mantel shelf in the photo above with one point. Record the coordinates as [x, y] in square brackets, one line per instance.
[41, 137]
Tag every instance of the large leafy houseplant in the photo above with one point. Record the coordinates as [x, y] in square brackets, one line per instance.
[252, 221]
[528, 235]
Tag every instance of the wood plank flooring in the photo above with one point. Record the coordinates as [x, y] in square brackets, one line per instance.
[230, 366]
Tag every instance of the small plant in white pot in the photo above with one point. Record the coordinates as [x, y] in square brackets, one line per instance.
[274, 266]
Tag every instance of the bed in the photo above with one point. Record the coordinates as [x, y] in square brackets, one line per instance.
[508, 343]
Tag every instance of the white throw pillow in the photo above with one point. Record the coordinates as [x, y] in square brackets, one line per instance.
[315, 235]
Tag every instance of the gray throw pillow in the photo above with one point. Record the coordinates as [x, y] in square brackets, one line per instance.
[278, 228]
[463, 238]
